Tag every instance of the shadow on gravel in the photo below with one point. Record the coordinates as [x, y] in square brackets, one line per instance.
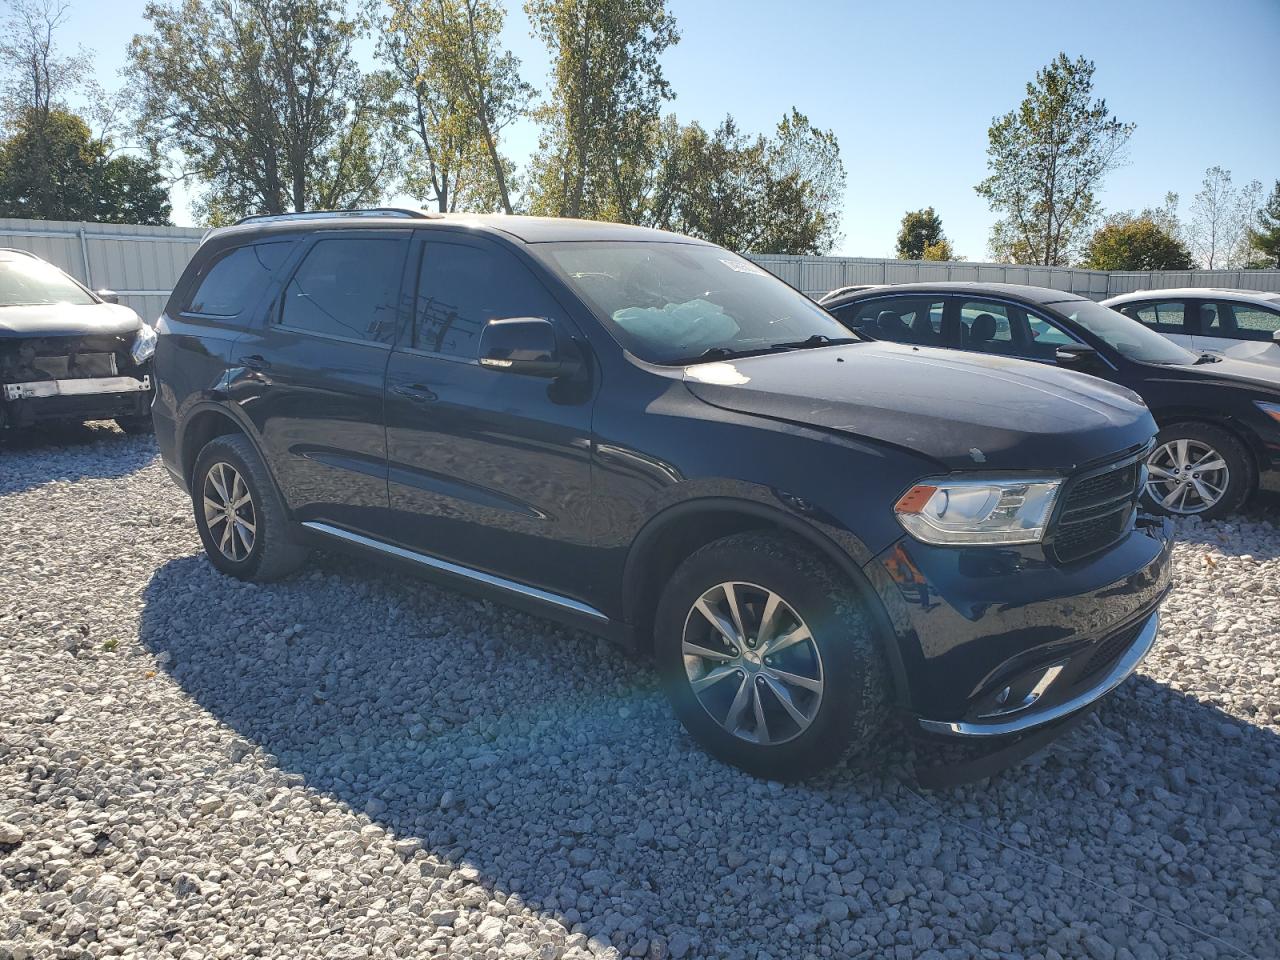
[33, 456]
[550, 763]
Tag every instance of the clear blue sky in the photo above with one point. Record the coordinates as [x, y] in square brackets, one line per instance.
[911, 89]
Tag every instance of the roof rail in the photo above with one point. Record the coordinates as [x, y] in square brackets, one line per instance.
[405, 212]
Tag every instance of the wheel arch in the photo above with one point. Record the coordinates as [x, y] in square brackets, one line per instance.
[1248, 439]
[203, 423]
[675, 533]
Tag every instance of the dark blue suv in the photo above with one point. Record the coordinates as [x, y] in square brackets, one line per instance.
[651, 438]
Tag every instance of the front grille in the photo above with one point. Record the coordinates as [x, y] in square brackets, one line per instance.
[1096, 511]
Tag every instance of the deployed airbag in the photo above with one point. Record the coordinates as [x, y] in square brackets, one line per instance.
[688, 325]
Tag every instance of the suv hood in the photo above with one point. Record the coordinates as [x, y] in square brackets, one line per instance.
[66, 320]
[967, 411]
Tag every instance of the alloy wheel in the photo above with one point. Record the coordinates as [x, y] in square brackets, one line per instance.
[752, 663]
[229, 512]
[1186, 476]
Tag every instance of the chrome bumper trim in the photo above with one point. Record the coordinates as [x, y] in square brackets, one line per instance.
[435, 563]
[1137, 651]
[87, 386]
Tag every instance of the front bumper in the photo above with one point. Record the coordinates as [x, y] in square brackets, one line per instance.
[87, 398]
[996, 641]
[1023, 719]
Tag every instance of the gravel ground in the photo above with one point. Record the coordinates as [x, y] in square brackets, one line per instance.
[356, 764]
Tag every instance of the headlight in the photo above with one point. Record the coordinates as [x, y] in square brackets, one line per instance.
[1272, 410]
[978, 510]
[144, 345]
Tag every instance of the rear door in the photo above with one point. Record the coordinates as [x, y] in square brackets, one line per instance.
[489, 469]
[910, 319]
[1175, 319]
[310, 374]
[1242, 330]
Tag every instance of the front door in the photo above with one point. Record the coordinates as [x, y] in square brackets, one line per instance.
[488, 469]
[310, 375]
[1243, 331]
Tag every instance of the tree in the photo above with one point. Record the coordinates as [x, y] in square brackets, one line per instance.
[1264, 239]
[53, 168]
[778, 194]
[265, 102]
[1220, 218]
[1046, 160]
[939, 250]
[1129, 242]
[459, 90]
[36, 76]
[600, 119]
[920, 229]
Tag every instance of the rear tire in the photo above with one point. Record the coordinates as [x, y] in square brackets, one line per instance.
[779, 711]
[1178, 485]
[242, 522]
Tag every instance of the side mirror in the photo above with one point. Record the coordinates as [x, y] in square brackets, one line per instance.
[526, 345]
[1275, 337]
[1076, 355]
[108, 296]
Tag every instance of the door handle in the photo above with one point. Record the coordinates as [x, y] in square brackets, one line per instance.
[414, 392]
[255, 362]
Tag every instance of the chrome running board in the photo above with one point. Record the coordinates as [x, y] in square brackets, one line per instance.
[478, 576]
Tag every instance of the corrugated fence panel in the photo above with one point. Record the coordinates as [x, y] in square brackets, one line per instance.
[141, 263]
[1268, 280]
[819, 275]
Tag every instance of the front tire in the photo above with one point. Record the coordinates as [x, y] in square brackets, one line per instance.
[1200, 470]
[134, 425]
[767, 655]
[241, 521]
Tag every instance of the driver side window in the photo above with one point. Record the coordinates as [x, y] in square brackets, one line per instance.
[915, 320]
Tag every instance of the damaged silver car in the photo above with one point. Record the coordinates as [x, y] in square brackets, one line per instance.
[68, 353]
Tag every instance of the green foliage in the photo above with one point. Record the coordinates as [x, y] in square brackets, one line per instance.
[758, 194]
[1046, 159]
[1128, 242]
[265, 102]
[53, 168]
[939, 250]
[920, 229]
[458, 89]
[600, 120]
[1264, 239]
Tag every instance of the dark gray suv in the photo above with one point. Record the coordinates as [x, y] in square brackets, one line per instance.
[651, 438]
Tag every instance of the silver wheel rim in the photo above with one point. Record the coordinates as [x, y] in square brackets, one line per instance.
[1186, 476]
[229, 512]
[752, 663]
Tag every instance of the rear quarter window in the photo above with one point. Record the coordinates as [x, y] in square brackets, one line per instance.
[230, 284]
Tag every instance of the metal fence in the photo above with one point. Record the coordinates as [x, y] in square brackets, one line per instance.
[1268, 280]
[143, 263]
[139, 263]
[817, 275]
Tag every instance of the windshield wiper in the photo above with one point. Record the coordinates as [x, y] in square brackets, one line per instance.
[817, 340]
[731, 353]
[719, 353]
[1207, 358]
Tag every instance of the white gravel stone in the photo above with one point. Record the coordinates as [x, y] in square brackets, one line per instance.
[353, 763]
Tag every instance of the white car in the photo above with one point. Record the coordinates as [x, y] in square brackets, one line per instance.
[1242, 324]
